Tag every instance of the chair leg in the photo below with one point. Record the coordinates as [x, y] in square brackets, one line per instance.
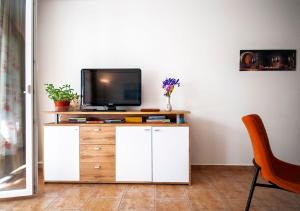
[253, 184]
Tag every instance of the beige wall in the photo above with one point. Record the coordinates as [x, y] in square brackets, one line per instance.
[196, 41]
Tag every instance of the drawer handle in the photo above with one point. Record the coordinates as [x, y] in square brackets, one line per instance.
[96, 129]
[97, 167]
[97, 148]
[157, 130]
[147, 129]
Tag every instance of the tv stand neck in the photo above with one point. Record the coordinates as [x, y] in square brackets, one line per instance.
[110, 108]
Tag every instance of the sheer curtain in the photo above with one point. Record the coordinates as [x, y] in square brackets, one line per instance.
[12, 76]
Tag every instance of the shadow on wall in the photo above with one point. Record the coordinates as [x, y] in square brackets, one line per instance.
[150, 97]
[212, 143]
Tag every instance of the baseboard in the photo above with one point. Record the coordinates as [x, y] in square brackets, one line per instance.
[222, 164]
[222, 167]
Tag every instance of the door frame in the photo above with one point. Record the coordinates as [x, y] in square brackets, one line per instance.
[30, 164]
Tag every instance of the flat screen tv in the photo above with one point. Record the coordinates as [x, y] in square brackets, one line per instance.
[109, 88]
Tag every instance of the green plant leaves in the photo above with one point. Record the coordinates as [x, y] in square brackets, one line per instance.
[63, 93]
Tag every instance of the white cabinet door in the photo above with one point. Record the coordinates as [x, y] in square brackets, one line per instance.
[133, 154]
[170, 154]
[61, 153]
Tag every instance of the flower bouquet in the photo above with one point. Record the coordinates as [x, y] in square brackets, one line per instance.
[168, 85]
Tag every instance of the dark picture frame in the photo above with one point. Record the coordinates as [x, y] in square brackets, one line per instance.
[268, 60]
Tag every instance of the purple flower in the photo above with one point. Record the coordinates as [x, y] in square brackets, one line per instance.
[168, 85]
[171, 81]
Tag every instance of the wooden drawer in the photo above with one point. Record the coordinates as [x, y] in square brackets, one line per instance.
[97, 172]
[97, 135]
[97, 153]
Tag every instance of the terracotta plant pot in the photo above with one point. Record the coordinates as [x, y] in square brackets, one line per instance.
[62, 105]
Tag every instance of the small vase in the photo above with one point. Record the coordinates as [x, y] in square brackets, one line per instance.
[169, 106]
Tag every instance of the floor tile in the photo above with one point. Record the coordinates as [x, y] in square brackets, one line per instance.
[6, 204]
[53, 190]
[277, 198]
[101, 204]
[137, 204]
[140, 187]
[33, 203]
[200, 181]
[56, 209]
[231, 191]
[240, 204]
[206, 199]
[110, 191]
[73, 198]
[172, 205]
[170, 191]
[139, 191]
[67, 203]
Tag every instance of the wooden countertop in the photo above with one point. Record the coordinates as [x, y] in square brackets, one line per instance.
[130, 112]
[118, 124]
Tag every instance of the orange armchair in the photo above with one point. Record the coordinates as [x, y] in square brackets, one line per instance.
[278, 173]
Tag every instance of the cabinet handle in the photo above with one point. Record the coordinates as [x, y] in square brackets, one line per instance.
[97, 148]
[97, 129]
[156, 129]
[147, 129]
[97, 167]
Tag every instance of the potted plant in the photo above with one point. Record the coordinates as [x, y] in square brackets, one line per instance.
[62, 96]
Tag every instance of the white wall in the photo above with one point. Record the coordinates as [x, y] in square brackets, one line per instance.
[196, 41]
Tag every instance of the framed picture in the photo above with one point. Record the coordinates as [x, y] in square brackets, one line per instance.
[267, 60]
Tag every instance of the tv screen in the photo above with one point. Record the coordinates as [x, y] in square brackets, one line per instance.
[110, 87]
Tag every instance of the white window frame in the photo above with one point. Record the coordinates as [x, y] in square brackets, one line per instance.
[29, 107]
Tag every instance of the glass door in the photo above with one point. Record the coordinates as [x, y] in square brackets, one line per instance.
[16, 101]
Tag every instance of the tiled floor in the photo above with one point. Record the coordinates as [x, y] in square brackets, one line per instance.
[213, 188]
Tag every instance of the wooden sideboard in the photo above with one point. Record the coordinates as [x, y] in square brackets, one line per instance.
[117, 152]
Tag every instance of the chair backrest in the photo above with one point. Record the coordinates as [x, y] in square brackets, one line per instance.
[261, 147]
